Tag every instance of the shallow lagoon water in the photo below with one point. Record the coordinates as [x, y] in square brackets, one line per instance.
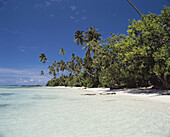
[61, 112]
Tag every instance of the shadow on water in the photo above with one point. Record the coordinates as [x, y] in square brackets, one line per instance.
[1, 135]
[44, 97]
[6, 94]
[3, 105]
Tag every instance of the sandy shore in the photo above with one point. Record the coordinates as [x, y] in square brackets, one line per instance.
[137, 94]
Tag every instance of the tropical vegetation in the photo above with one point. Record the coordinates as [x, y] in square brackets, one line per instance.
[140, 58]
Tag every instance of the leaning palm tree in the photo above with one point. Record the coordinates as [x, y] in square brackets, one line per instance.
[135, 8]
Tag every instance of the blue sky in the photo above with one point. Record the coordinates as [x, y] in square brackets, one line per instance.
[28, 28]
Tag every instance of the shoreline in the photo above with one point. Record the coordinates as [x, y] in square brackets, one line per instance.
[135, 94]
[139, 94]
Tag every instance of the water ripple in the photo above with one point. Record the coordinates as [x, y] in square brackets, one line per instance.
[3, 105]
[6, 94]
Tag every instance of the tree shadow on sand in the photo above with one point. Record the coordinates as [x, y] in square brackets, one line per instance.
[149, 91]
[141, 91]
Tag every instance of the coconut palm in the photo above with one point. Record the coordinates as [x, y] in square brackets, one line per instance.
[62, 52]
[88, 40]
[43, 58]
[42, 72]
[73, 56]
[135, 8]
[92, 34]
[55, 64]
[85, 40]
[92, 37]
[79, 37]
[52, 71]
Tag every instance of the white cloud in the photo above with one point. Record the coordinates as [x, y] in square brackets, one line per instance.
[77, 20]
[73, 7]
[78, 15]
[26, 48]
[83, 18]
[48, 4]
[84, 10]
[22, 48]
[16, 7]
[51, 15]
[25, 76]
[72, 18]
[38, 5]
[3, 3]
[12, 31]
[56, 0]
[7, 70]
[25, 81]
[31, 80]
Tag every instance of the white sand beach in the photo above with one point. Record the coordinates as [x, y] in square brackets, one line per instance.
[135, 94]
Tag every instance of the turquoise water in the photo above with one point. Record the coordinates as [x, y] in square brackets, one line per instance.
[59, 112]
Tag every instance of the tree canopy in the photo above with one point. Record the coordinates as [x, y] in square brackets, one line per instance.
[140, 58]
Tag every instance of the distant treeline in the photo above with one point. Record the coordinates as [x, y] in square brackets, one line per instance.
[139, 59]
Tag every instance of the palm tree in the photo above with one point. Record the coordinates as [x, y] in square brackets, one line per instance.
[62, 52]
[62, 66]
[79, 37]
[88, 40]
[42, 72]
[55, 64]
[52, 71]
[43, 58]
[92, 34]
[135, 8]
[73, 56]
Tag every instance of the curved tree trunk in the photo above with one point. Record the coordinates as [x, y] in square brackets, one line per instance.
[112, 84]
[164, 81]
[96, 79]
[135, 8]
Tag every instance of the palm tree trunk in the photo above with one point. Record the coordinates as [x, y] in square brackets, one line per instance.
[112, 84]
[89, 73]
[135, 8]
[164, 81]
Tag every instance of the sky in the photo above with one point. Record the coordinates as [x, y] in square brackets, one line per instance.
[31, 27]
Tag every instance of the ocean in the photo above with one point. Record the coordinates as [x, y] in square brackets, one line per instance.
[65, 112]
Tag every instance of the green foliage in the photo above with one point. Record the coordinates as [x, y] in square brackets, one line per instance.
[139, 59]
